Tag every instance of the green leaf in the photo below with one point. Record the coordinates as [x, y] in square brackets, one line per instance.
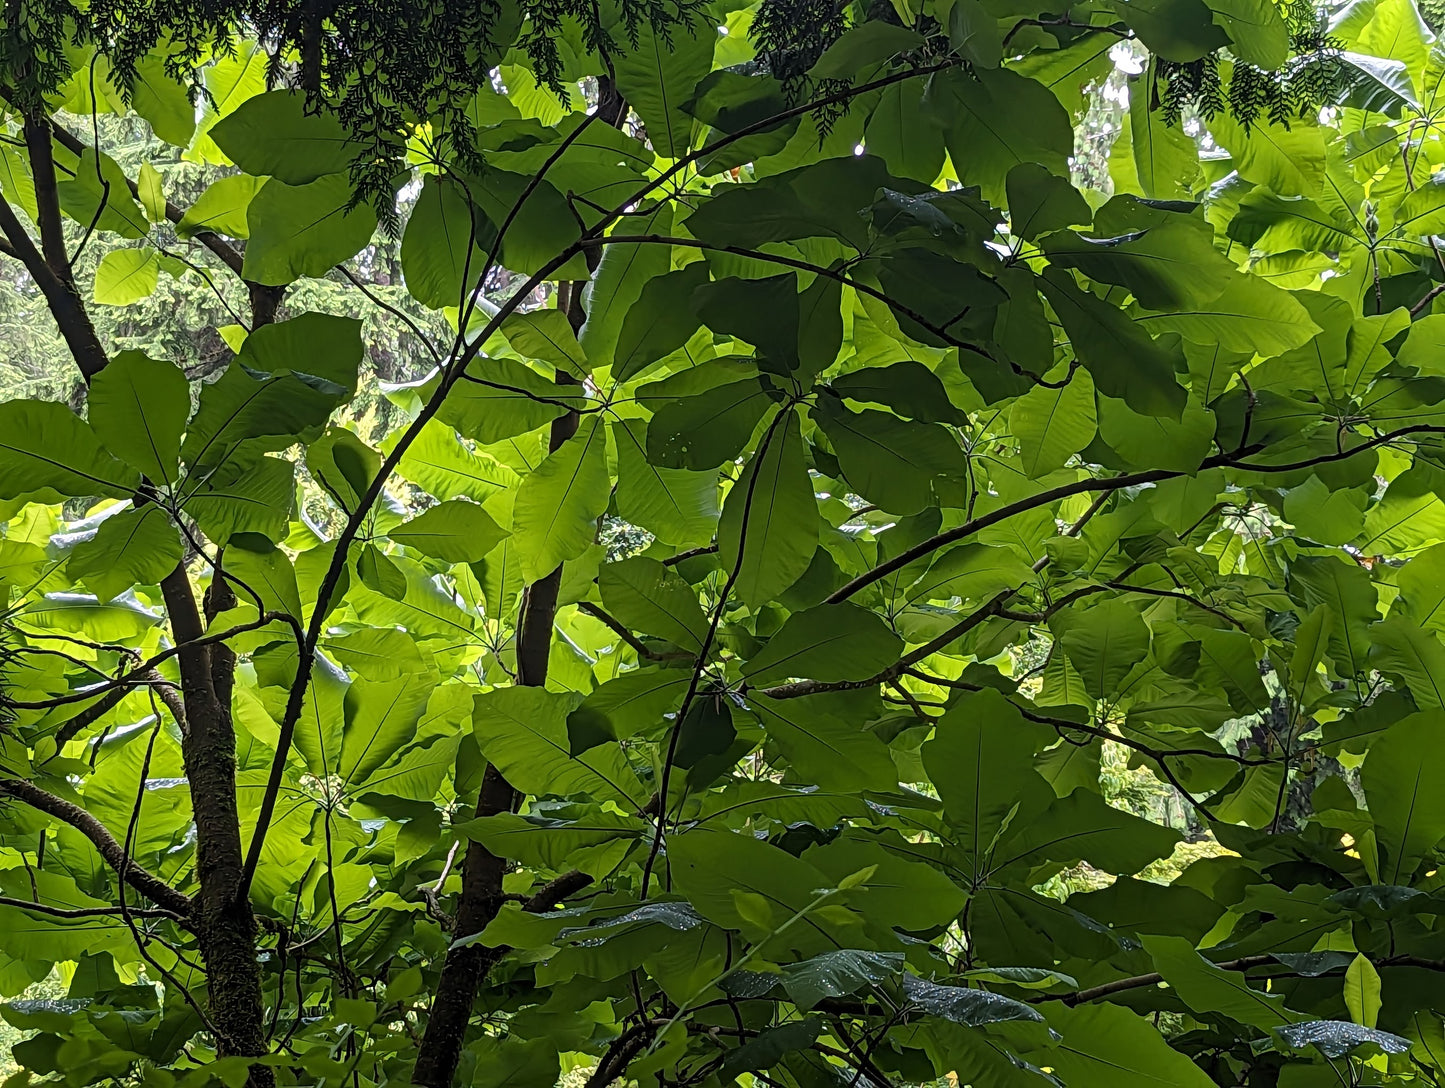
[862, 45]
[1123, 359]
[381, 716]
[769, 526]
[1362, 992]
[1040, 202]
[1399, 780]
[524, 732]
[444, 248]
[1157, 441]
[1405, 652]
[1105, 1043]
[889, 461]
[303, 230]
[994, 120]
[1178, 30]
[99, 192]
[676, 506]
[138, 409]
[162, 101]
[47, 452]
[222, 208]
[244, 412]
[909, 388]
[454, 532]
[1053, 424]
[839, 973]
[1165, 158]
[1256, 29]
[134, 547]
[501, 398]
[831, 642]
[823, 747]
[705, 429]
[1103, 642]
[1205, 988]
[617, 286]
[1173, 266]
[658, 76]
[323, 345]
[659, 322]
[1249, 315]
[1288, 161]
[438, 462]
[648, 597]
[963, 1005]
[558, 503]
[707, 866]
[125, 276]
[546, 335]
[980, 759]
[274, 135]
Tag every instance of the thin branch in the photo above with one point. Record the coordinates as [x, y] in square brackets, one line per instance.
[142, 880]
[621, 631]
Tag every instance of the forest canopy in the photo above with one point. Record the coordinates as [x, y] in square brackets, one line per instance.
[700, 543]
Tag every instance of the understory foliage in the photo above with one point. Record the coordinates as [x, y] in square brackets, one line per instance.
[848, 605]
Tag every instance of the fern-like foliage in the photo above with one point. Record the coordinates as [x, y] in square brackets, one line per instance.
[1310, 79]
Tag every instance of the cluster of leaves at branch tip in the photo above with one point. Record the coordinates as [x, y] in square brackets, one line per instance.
[722, 543]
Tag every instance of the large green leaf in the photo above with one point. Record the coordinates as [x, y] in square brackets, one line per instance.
[49, 452]
[524, 732]
[558, 503]
[659, 76]
[457, 532]
[303, 230]
[993, 120]
[648, 597]
[138, 408]
[769, 526]
[1203, 987]
[1399, 779]
[830, 642]
[275, 135]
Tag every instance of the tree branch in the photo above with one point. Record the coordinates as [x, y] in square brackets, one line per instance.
[142, 880]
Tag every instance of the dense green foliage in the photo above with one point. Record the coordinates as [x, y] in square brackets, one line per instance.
[774, 564]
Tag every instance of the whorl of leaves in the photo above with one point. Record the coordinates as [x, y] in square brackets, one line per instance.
[1310, 79]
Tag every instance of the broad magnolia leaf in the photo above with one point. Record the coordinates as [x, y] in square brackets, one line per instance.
[456, 532]
[135, 547]
[769, 526]
[275, 135]
[445, 245]
[834, 974]
[559, 502]
[48, 452]
[675, 505]
[963, 1005]
[648, 597]
[830, 642]
[1103, 643]
[1201, 985]
[222, 207]
[303, 230]
[1052, 424]
[524, 731]
[1408, 813]
[126, 276]
[138, 408]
